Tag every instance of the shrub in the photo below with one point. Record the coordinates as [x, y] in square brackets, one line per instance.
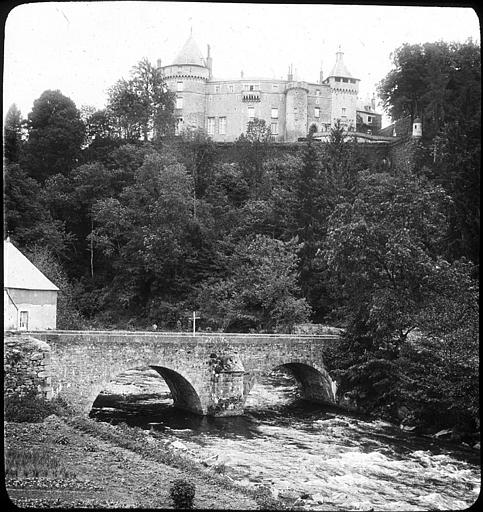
[182, 493]
[32, 408]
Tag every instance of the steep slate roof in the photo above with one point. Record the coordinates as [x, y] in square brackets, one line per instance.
[19, 272]
[339, 68]
[190, 54]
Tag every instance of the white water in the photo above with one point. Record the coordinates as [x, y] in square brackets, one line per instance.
[337, 461]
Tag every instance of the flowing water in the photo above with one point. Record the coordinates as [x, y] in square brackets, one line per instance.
[322, 457]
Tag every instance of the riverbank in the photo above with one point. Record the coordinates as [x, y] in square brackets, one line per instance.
[81, 463]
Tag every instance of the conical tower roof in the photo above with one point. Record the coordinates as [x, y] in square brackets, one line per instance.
[339, 68]
[190, 54]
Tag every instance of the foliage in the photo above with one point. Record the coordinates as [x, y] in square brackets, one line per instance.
[12, 134]
[438, 81]
[260, 290]
[27, 221]
[32, 408]
[141, 107]
[56, 132]
[182, 493]
[382, 250]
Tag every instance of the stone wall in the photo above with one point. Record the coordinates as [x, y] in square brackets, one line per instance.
[27, 366]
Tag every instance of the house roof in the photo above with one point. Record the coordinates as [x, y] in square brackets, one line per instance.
[20, 272]
[190, 54]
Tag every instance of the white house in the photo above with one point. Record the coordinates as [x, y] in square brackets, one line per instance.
[29, 298]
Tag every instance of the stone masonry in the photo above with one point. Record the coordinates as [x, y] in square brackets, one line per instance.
[207, 374]
[26, 366]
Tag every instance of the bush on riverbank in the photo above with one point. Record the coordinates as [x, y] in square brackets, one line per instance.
[32, 408]
[182, 493]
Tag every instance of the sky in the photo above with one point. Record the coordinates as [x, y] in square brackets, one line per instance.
[83, 48]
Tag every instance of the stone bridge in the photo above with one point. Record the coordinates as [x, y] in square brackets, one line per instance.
[208, 374]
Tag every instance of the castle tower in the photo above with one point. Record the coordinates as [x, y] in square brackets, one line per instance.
[345, 89]
[187, 77]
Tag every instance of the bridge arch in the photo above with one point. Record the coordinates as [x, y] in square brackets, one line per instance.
[316, 383]
[183, 393]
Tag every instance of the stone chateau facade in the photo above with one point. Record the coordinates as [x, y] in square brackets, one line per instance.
[289, 107]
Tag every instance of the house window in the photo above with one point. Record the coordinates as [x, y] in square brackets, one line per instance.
[344, 111]
[317, 92]
[251, 113]
[316, 101]
[345, 80]
[274, 128]
[179, 102]
[23, 323]
[337, 79]
[217, 88]
[211, 126]
[369, 119]
[222, 125]
[230, 88]
[179, 86]
[316, 112]
[274, 113]
[179, 123]
[275, 87]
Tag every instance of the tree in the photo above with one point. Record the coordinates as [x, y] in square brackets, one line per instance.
[55, 136]
[12, 134]
[27, 219]
[253, 149]
[382, 251]
[438, 81]
[260, 291]
[145, 233]
[142, 107]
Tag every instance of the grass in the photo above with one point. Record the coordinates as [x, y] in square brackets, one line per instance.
[36, 463]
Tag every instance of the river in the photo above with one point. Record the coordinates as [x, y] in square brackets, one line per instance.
[324, 457]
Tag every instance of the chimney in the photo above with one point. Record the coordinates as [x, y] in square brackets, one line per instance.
[241, 73]
[290, 73]
[158, 63]
[321, 74]
[373, 102]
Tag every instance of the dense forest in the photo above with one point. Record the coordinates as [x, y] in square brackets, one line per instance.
[138, 227]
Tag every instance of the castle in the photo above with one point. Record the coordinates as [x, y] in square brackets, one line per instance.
[291, 108]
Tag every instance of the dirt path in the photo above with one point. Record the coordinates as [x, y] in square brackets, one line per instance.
[105, 475]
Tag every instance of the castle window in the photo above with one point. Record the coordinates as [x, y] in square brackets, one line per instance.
[222, 125]
[274, 113]
[211, 126]
[316, 112]
[251, 113]
[179, 86]
[179, 102]
[274, 128]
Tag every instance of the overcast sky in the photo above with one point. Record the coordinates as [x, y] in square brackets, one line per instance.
[82, 48]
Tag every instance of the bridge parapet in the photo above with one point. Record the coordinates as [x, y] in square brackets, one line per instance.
[208, 373]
